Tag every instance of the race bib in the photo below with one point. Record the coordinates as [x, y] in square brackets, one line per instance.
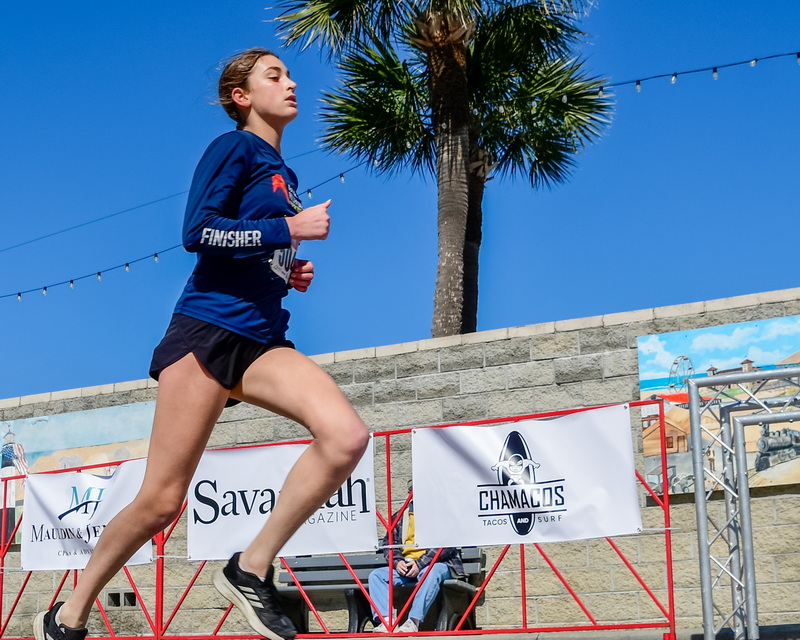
[282, 260]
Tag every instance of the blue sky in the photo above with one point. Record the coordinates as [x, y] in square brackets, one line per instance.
[691, 195]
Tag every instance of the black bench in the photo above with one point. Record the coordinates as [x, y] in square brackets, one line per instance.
[327, 574]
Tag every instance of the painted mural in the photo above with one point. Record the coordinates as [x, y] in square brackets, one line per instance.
[668, 360]
[69, 440]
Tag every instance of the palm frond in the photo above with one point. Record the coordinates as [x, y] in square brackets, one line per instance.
[379, 113]
[342, 25]
[536, 125]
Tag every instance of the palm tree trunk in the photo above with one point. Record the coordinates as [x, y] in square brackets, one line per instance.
[449, 113]
[472, 246]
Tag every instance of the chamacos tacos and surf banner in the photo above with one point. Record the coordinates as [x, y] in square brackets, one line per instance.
[234, 491]
[546, 480]
[65, 513]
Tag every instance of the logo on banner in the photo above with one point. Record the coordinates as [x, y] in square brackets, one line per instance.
[518, 498]
[344, 505]
[81, 508]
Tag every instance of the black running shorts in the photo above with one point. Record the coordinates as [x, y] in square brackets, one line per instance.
[224, 354]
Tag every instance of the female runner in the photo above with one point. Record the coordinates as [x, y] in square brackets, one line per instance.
[226, 343]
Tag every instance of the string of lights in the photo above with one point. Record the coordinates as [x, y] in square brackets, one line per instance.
[127, 265]
[714, 69]
[96, 274]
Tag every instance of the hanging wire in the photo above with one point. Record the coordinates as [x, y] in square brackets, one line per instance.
[637, 83]
[95, 274]
[714, 70]
[119, 213]
[88, 222]
[126, 266]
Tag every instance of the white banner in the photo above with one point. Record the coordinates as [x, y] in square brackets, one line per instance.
[233, 492]
[549, 480]
[66, 512]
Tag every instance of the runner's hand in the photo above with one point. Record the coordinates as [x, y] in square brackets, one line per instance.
[313, 223]
[302, 274]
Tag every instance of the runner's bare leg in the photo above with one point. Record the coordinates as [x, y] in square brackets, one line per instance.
[288, 383]
[188, 405]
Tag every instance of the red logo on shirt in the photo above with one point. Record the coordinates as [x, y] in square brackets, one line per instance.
[279, 183]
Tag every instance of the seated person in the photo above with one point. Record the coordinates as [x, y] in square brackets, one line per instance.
[411, 565]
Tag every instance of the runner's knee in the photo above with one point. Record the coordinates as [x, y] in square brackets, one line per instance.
[345, 442]
[158, 513]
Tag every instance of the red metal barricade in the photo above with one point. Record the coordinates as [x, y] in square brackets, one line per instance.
[166, 610]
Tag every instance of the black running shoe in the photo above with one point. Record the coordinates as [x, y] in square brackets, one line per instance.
[256, 599]
[45, 627]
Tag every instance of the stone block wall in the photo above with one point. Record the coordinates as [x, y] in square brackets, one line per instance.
[493, 374]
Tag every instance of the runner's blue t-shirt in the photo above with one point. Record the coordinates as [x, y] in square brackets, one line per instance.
[241, 193]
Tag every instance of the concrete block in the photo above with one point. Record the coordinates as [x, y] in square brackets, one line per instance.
[379, 417]
[680, 310]
[464, 408]
[443, 342]
[482, 380]
[620, 363]
[558, 397]
[371, 369]
[417, 414]
[507, 351]
[484, 337]
[589, 579]
[579, 368]
[556, 345]
[130, 385]
[616, 607]
[323, 358]
[786, 567]
[354, 354]
[401, 390]
[35, 398]
[576, 324]
[8, 403]
[530, 374]
[341, 372]
[532, 330]
[417, 363]
[359, 394]
[777, 598]
[787, 509]
[777, 539]
[763, 512]
[627, 317]
[602, 339]
[396, 349]
[97, 390]
[559, 610]
[614, 390]
[461, 357]
[224, 435]
[504, 404]
[719, 304]
[249, 432]
[792, 307]
[65, 395]
[438, 385]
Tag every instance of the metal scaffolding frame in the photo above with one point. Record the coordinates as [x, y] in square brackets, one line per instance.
[725, 546]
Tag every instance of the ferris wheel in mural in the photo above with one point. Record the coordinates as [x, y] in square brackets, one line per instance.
[680, 371]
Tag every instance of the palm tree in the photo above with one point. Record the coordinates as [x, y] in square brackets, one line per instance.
[429, 109]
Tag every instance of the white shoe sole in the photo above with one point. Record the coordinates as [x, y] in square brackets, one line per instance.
[38, 626]
[240, 602]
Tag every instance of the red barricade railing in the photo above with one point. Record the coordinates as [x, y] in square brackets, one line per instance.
[158, 616]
